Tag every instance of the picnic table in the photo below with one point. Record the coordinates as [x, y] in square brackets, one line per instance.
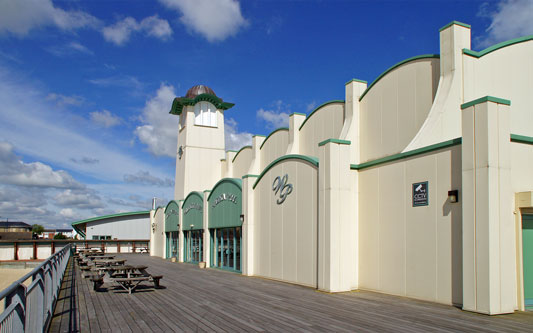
[125, 276]
[108, 262]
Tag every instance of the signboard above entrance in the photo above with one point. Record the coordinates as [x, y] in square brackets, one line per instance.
[420, 194]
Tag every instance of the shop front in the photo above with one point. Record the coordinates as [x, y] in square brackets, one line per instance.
[193, 247]
[225, 225]
[172, 230]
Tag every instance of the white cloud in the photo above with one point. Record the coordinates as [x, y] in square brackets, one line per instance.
[125, 81]
[235, 140]
[145, 178]
[311, 106]
[62, 100]
[276, 117]
[512, 19]
[160, 129]
[105, 119]
[215, 20]
[120, 32]
[69, 49]
[21, 16]
[15, 172]
[80, 198]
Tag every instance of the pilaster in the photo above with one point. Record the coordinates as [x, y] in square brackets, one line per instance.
[489, 265]
[337, 240]
[248, 224]
[295, 121]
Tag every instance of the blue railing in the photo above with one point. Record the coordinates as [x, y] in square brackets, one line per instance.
[30, 308]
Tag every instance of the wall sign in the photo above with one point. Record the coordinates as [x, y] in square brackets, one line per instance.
[192, 206]
[223, 197]
[420, 194]
[280, 185]
[171, 212]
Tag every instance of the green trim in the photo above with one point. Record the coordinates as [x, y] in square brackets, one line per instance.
[356, 80]
[310, 159]
[168, 204]
[298, 113]
[110, 216]
[485, 99]
[233, 160]
[341, 142]
[403, 62]
[231, 151]
[236, 181]
[456, 23]
[274, 131]
[407, 154]
[207, 191]
[319, 107]
[249, 176]
[264, 136]
[497, 46]
[199, 194]
[522, 139]
[180, 102]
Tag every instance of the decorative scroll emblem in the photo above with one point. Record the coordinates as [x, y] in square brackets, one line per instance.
[180, 152]
[280, 185]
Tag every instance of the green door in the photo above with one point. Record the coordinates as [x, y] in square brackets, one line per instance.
[527, 254]
[168, 245]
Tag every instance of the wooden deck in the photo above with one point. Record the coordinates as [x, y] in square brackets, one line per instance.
[194, 299]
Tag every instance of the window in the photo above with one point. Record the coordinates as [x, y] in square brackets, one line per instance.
[205, 114]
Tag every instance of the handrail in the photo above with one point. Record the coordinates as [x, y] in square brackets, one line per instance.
[30, 309]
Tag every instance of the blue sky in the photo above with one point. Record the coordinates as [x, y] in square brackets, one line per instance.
[86, 86]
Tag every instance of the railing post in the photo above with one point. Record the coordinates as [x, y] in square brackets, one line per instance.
[53, 247]
[34, 250]
[19, 296]
[118, 246]
[16, 251]
[133, 247]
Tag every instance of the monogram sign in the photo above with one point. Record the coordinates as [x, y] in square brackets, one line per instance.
[280, 185]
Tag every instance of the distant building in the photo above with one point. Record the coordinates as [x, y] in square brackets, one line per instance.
[15, 230]
[50, 233]
[130, 225]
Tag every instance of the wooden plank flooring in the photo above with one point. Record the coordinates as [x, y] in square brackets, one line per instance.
[194, 299]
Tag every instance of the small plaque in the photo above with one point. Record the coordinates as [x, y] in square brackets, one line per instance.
[420, 194]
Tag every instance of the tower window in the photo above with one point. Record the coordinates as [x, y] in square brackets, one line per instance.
[205, 114]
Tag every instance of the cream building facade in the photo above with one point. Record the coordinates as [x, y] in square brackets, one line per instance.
[417, 185]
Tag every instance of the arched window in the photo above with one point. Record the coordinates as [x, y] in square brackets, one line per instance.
[205, 114]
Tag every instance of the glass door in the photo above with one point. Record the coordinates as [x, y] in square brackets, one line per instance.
[174, 244]
[226, 248]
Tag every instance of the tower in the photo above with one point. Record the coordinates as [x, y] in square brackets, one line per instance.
[200, 140]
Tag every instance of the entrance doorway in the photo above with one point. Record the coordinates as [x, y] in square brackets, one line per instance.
[193, 246]
[527, 254]
[172, 244]
[226, 248]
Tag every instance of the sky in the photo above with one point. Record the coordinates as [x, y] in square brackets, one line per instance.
[86, 86]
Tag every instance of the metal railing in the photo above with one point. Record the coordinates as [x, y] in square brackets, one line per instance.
[30, 308]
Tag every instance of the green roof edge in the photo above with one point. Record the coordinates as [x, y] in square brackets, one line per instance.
[407, 154]
[274, 131]
[497, 46]
[249, 176]
[457, 23]
[179, 102]
[299, 113]
[356, 80]
[236, 181]
[403, 62]
[193, 193]
[310, 159]
[110, 216]
[318, 108]
[233, 160]
[522, 139]
[485, 99]
[339, 141]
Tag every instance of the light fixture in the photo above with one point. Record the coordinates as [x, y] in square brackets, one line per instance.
[453, 196]
[242, 218]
